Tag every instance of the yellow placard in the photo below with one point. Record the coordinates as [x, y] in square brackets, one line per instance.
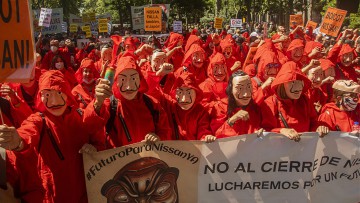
[17, 48]
[88, 34]
[332, 21]
[218, 23]
[88, 17]
[103, 27]
[86, 28]
[152, 18]
[73, 27]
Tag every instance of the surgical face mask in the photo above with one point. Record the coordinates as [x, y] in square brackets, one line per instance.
[349, 104]
[86, 81]
[59, 65]
[53, 49]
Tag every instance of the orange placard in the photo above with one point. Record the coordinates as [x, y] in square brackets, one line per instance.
[250, 56]
[17, 50]
[152, 19]
[311, 24]
[332, 21]
[297, 19]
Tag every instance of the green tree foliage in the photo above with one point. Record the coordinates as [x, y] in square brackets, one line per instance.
[69, 6]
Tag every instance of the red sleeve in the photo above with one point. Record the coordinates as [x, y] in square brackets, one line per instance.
[269, 114]
[20, 112]
[30, 130]
[325, 119]
[46, 61]
[203, 125]
[333, 53]
[225, 131]
[163, 129]
[258, 93]
[97, 121]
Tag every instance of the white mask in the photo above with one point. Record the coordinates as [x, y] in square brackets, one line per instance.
[88, 81]
[53, 49]
[349, 104]
[59, 65]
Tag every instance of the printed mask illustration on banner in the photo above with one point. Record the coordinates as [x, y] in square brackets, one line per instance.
[146, 179]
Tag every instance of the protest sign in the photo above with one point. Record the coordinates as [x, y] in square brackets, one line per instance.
[144, 38]
[235, 22]
[45, 17]
[137, 15]
[332, 21]
[103, 25]
[218, 23]
[74, 19]
[17, 48]
[86, 28]
[246, 168]
[297, 20]
[55, 23]
[311, 24]
[88, 17]
[73, 27]
[152, 19]
[177, 26]
[250, 56]
[64, 27]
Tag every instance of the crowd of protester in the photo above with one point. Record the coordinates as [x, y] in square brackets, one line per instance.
[194, 87]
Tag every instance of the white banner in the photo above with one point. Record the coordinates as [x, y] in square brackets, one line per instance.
[56, 21]
[137, 15]
[235, 23]
[177, 26]
[74, 19]
[45, 17]
[245, 168]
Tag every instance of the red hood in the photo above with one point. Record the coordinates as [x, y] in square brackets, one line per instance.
[193, 39]
[267, 46]
[174, 40]
[187, 79]
[226, 43]
[117, 40]
[310, 45]
[289, 72]
[128, 62]
[194, 48]
[345, 48]
[326, 64]
[217, 58]
[86, 63]
[296, 43]
[54, 80]
[267, 58]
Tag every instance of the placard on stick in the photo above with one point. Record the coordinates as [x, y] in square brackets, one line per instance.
[218, 23]
[152, 19]
[311, 24]
[103, 26]
[298, 19]
[17, 48]
[332, 21]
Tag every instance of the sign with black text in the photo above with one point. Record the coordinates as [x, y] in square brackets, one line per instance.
[246, 168]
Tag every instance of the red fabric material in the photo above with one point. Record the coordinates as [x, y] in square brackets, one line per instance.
[317, 95]
[54, 80]
[241, 52]
[331, 116]
[289, 72]
[299, 114]
[213, 90]
[259, 94]
[345, 48]
[22, 175]
[86, 63]
[250, 70]
[46, 61]
[241, 127]
[82, 95]
[192, 124]
[310, 45]
[174, 39]
[193, 39]
[117, 40]
[296, 43]
[70, 133]
[26, 94]
[326, 64]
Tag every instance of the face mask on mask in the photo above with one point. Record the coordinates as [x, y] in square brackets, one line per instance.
[53, 49]
[88, 81]
[349, 104]
[59, 65]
